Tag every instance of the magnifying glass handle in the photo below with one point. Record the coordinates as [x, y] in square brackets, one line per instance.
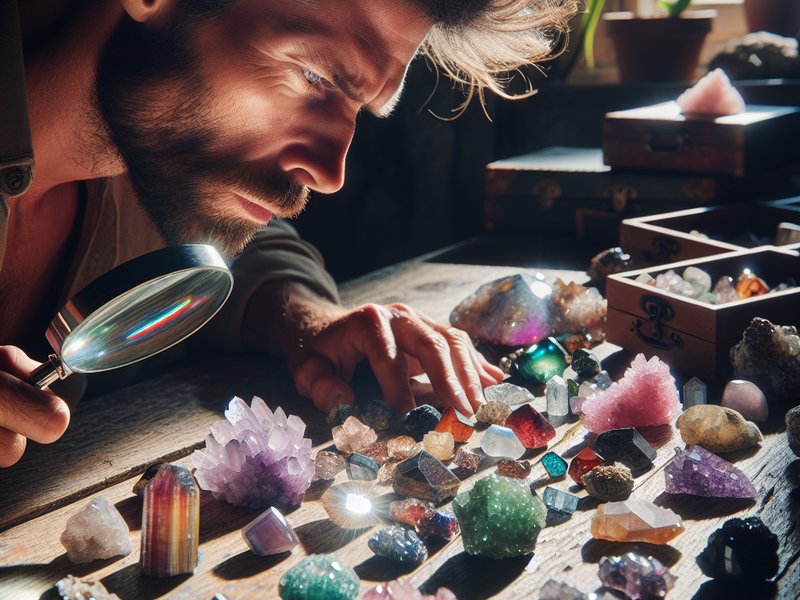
[48, 372]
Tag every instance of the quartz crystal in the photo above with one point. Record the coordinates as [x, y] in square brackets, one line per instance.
[170, 523]
[398, 543]
[694, 393]
[670, 281]
[493, 412]
[96, 531]
[499, 517]
[542, 361]
[793, 429]
[319, 577]
[441, 525]
[585, 363]
[362, 468]
[635, 575]
[724, 291]
[513, 468]
[508, 393]
[411, 511]
[269, 533]
[466, 461]
[717, 429]
[742, 549]
[353, 436]
[584, 462]
[327, 465]
[635, 521]
[532, 429]
[576, 309]
[352, 505]
[386, 472]
[380, 416]
[554, 464]
[255, 458]
[646, 395]
[557, 500]
[421, 420]
[439, 443]
[74, 588]
[502, 442]
[557, 399]
[697, 471]
[456, 424]
[745, 398]
[402, 447]
[626, 446]
[402, 590]
[425, 477]
[609, 483]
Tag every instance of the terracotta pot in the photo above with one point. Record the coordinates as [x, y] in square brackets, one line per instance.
[781, 17]
[658, 49]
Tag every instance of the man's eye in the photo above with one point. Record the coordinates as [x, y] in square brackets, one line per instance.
[310, 76]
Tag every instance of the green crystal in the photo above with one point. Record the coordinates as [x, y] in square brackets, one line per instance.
[542, 361]
[319, 577]
[499, 517]
[554, 464]
[572, 388]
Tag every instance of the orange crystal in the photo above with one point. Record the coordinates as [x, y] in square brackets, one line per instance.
[749, 284]
[456, 423]
[635, 521]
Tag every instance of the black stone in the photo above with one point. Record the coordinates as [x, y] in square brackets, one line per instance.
[626, 446]
[362, 468]
[425, 477]
[380, 416]
[339, 415]
[742, 549]
[421, 420]
[585, 364]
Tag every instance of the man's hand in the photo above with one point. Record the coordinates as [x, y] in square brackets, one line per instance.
[323, 343]
[26, 412]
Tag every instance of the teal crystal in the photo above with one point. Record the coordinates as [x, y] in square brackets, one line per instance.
[561, 501]
[542, 361]
[499, 518]
[319, 577]
[694, 393]
[554, 464]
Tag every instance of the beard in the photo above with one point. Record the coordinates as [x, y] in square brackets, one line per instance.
[156, 109]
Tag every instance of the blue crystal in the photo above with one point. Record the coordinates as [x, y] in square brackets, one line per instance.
[542, 361]
[440, 525]
[398, 543]
[560, 501]
[554, 464]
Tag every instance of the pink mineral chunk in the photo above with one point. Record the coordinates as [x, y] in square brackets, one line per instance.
[269, 533]
[646, 395]
[401, 590]
[712, 95]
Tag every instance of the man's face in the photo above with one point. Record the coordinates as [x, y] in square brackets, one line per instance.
[234, 121]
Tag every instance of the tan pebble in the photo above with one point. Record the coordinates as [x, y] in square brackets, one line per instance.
[493, 412]
[717, 429]
[609, 483]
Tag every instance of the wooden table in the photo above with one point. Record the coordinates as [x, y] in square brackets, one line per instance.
[113, 439]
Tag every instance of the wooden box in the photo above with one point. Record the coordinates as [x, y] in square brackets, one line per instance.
[694, 337]
[659, 137]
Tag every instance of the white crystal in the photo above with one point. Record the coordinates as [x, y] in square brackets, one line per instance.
[694, 393]
[508, 393]
[557, 397]
[72, 588]
[698, 279]
[96, 531]
[502, 442]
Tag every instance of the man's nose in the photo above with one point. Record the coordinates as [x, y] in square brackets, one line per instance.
[318, 159]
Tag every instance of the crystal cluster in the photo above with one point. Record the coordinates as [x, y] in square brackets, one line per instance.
[741, 549]
[352, 436]
[269, 533]
[96, 531]
[635, 575]
[697, 471]
[402, 447]
[73, 588]
[532, 429]
[402, 590]
[398, 543]
[745, 398]
[425, 477]
[635, 521]
[319, 577]
[717, 429]
[609, 483]
[255, 458]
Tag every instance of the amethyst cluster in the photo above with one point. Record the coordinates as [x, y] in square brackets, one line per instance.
[255, 458]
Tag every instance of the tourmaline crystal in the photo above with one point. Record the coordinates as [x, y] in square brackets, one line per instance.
[717, 429]
[319, 577]
[170, 523]
[742, 549]
[694, 392]
[557, 400]
[646, 395]
[398, 543]
[584, 462]
[635, 575]
[635, 521]
[502, 442]
[441, 525]
[542, 361]
[532, 429]
[493, 412]
[745, 398]
[560, 501]
[628, 447]
[499, 517]
[327, 465]
[425, 477]
[554, 464]
[793, 429]
[353, 436]
[421, 420]
[269, 533]
[402, 590]
[697, 471]
[402, 447]
[508, 393]
[380, 416]
[466, 461]
[411, 510]
[609, 483]
[457, 424]
[255, 458]
[351, 505]
[514, 468]
[74, 588]
[96, 531]
[439, 443]
[362, 468]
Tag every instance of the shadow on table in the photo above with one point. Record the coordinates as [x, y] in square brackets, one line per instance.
[246, 564]
[130, 582]
[380, 568]
[697, 508]
[324, 536]
[594, 550]
[736, 590]
[472, 577]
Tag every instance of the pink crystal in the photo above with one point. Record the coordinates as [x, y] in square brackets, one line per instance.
[353, 436]
[269, 533]
[701, 473]
[712, 95]
[646, 395]
[747, 399]
[402, 590]
[255, 458]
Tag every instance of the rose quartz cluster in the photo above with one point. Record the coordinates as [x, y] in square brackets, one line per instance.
[646, 395]
[712, 95]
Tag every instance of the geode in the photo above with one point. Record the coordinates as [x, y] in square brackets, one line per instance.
[255, 458]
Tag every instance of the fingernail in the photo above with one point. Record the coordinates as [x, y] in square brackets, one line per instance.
[335, 399]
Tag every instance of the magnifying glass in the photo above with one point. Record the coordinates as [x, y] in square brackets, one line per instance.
[136, 310]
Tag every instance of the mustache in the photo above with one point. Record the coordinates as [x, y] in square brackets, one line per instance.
[281, 193]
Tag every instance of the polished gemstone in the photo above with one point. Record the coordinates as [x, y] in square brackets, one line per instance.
[508, 393]
[319, 577]
[699, 280]
[402, 447]
[502, 442]
[457, 424]
[352, 505]
[717, 429]
[585, 461]
[635, 575]
[96, 531]
[380, 416]
[518, 469]
[626, 446]
[697, 471]
[362, 468]
[560, 501]
[532, 429]
[353, 436]
[439, 443]
[466, 462]
[557, 399]
[554, 464]
[749, 284]
[694, 392]
[411, 511]
[493, 412]
[542, 361]
[327, 465]
[398, 543]
[585, 363]
[745, 398]
[609, 483]
[635, 521]
[425, 477]
[269, 533]
[441, 525]
[421, 420]
[742, 549]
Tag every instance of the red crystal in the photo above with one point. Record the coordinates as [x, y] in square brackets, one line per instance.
[532, 429]
[583, 463]
[456, 423]
[411, 511]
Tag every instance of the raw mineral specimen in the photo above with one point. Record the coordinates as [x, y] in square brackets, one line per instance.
[386, 472]
[557, 399]
[769, 356]
[584, 462]
[499, 517]
[439, 443]
[421, 420]
[170, 523]
[717, 429]
[402, 590]
[255, 458]
[542, 361]
[585, 363]
[96, 531]
[377, 451]
[554, 464]
[362, 468]
[269, 533]
[411, 511]
[73, 588]
[351, 505]
[749, 284]
[626, 446]
[697, 471]
[712, 95]
[560, 501]
[514, 468]
[532, 429]
[425, 477]
[724, 291]
[608, 262]
[441, 525]
[380, 416]
[352, 436]
[502, 442]
[319, 577]
[578, 309]
[457, 424]
[646, 395]
[745, 398]
[147, 477]
[327, 465]
[493, 412]
[793, 429]
[466, 461]
[635, 575]
[609, 483]
[339, 415]
[742, 549]
[553, 590]
[694, 393]
[635, 521]
[508, 393]
[402, 447]
[398, 543]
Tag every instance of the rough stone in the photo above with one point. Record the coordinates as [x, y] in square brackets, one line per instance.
[398, 543]
[745, 398]
[608, 262]
[380, 416]
[466, 461]
[742, 549]
[319, 577]
[493, 412]
[532, 429]
[456, 424]
[697, 471]
[508, 393]
[361, 468]
[554, 464]
[717, 429]
[339, 415]
[411, 511]
[377, 451]
[327, 465]
[425, 477]
[441, 525]
[749, 284]
[439, 443]
[585, 461]
[559, 500]
[635, 521]
[585, 363]
[502, 442]
[421, 420]
[402, 447]
[626, 446]
[353, 436]
[635, 575]
[96, 531]
[793, 429]
[609, 483]
[542, 361]
[269, 533]
[513, 468]
[74, 588]
[386, 472]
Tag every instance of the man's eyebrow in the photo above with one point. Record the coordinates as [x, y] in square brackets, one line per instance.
[384, 111]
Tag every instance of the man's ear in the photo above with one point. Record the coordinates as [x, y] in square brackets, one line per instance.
[148, 11]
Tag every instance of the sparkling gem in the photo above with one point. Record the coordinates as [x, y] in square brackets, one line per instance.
[560, 501]
[319, 577]
[439, 443]
[377, 451]
[635, 521]
[380, 416]
[572, 388]
[514, 468]
[646, 395]
[602, 380]
[411, 511]
[402, 590]
[255, 458]
[147, 477]
[609, 483]
[793, 429]
[353, 436]
[697, 471]
[425, 477]
[584, 462]
[327, 465]
[745, 398]
[339, 415]
[585, 363]
[96, 531]
[466, 461]
[493, 412]
[717, 429]
[170, 523]
[743, 549]
[402, 447]
[398, 543]
[421, 420]
[74, 588]
[557, 400]
[508, 393]
[749, 284]
[608, 262]
[502, 442]
[386, 472]
[694, 393]
[724, 291]
[542, 361]
[626, 446]
[635, 575]
[578, 309]
[441, 525]
[554, 464]
[457, 424]
[351, 505]
[362, 468]
[532, 429]
[269, 533]
[499, 517]
[575, 404]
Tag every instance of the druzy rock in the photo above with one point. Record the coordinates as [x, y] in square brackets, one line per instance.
[697, 471]
[646, 395]
[508, 393]
[745, 398]
[532, 429]
[439, 443]
[466, 461]
[626, 446]
[694, 392]
[362, 468]
[402, 590]
[585, 363]
[769, 356]
[351, 505]
[456, 424]
[742, 549]
[635, 521]
[398, 543]
[502, 442]
[585, 461]
[542, 361]
[421, 420]
[269, 533]
[96, 531]
[441, 525]
[793, 429]
[377, 451]
[635, 575]
[493, 412]
[74, 588]
[380, 416]
[560, 501]
[353, 436]
[425, 477]
[319, 577]
[327, 465]
[514, 468]
[402, 447]
[499, 517]
[609, 483]
[411, 511]
[554, 464]
[255, 458]
[717, 429]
